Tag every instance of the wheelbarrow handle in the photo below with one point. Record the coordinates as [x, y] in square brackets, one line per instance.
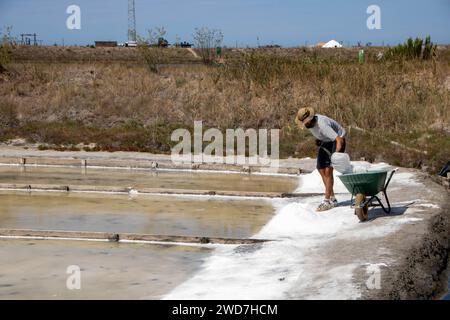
[389, 179]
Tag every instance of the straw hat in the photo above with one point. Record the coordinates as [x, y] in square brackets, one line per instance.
[304, 115]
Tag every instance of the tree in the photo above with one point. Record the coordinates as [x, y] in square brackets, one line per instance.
[206, 41]
[150, 48]
[6, 43]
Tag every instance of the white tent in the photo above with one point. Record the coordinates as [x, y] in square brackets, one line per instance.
[332, 44]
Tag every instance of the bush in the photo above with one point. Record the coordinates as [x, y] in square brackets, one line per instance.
[6, 43]
[206, 41]
[8, 115]
[264, 68]
[151, 48]
[414, 49]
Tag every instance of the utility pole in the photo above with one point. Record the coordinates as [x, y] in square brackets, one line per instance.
[131, 21]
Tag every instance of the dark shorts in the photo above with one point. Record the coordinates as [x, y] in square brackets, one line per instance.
[323, 158]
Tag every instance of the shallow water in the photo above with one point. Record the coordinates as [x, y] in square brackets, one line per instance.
[167, 215]
[148, 179]
[37, 269]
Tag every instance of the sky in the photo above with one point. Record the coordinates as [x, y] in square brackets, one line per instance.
[288, 23]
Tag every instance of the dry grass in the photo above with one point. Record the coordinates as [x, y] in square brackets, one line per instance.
[120, 105]
[87, 54]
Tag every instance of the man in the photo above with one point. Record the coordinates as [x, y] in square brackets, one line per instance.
[330, 138]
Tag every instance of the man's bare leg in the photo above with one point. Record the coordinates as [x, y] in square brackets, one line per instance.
[328, 181]
[324, 178]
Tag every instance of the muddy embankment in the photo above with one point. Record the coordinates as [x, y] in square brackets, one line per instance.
[421, 271]
[424, 272]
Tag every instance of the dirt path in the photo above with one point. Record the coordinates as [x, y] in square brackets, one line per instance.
[193, 53]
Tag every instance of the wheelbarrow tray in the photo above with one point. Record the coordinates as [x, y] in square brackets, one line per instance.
[368, 183]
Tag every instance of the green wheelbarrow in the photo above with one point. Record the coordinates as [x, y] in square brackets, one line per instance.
[365, 188]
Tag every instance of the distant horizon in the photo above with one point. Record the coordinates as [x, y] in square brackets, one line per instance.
[244, 23]
[240, 47]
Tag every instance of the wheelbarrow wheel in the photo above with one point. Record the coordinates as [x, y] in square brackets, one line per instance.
[362, 213]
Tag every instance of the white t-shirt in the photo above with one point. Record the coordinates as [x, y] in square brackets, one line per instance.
[327, 129]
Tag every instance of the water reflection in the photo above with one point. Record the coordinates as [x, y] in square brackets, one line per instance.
[36, 269]
[149, 179]
[138, 214]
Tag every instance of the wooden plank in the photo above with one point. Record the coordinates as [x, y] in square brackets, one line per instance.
[161, 191]
[87, 188]
[250, 194]
[187, 239]
[59, 234]
[84, 160]
[116, 237]
[209, 192]
[9, 160]
[193, 192]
